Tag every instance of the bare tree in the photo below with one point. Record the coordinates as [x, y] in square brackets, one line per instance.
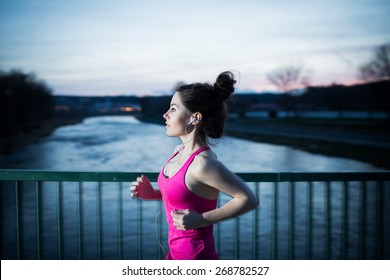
[288, 77]
[378, 69]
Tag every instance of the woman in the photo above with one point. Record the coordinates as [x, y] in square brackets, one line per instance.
[191, 179]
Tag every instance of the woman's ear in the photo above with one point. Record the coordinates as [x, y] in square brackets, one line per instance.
[196, 118]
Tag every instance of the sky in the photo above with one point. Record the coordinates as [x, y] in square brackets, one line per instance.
[128, 47]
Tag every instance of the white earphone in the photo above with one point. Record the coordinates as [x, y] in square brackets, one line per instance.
[193, 119]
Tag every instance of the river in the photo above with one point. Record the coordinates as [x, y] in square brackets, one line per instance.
[120, 143]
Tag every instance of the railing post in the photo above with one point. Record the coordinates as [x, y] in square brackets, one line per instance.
[99, 221]
[236, 238]
[38, 217]
[159, 230]
[218, 234]
[59, 220]
[119, 221]
[17, 217]
[255, 223]
[274, 250]
[79, 220]
[379, 221]
[309, 221]
[363, 220]
[139, 229]
[344, 241]
[291, 221]
[328, 221]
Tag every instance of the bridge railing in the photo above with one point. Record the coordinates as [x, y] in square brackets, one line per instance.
[90, 215]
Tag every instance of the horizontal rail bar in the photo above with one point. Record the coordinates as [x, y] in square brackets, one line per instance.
[69, 176]
[341, 176]
[105, 176]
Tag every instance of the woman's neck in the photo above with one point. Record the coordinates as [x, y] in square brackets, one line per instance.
[191, 145]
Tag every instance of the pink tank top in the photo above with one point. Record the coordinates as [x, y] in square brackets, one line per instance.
[186, 244]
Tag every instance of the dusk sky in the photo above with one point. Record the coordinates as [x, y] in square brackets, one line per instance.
[86, 47]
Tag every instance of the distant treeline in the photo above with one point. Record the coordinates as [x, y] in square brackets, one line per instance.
[371, 97]
[25, 102]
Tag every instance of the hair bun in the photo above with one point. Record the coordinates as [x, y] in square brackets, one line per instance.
[224, 85]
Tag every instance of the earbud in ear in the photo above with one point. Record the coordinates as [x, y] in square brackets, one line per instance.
[193, 119]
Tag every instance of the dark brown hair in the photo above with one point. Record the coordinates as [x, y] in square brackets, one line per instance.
[210, 101]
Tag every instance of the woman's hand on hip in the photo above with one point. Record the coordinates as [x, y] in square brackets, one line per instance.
[187, 219]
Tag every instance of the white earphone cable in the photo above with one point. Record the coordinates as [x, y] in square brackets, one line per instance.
[157, 236]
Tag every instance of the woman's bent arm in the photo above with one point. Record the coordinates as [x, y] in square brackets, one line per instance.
[243, 199]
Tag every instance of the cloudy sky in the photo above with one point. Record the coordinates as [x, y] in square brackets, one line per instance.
[87, 47]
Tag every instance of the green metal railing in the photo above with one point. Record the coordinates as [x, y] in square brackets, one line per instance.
[89, 215]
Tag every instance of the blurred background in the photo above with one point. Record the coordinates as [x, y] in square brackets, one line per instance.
[84, 85]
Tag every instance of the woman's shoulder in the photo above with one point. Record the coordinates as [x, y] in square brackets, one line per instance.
[207, 169]
[205, 161]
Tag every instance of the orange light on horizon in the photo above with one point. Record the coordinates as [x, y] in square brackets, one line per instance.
[130, 109]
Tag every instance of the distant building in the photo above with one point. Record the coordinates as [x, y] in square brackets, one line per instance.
[269, 110]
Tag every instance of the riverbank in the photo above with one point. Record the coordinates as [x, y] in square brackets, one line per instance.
[10, 143]
[362, 140]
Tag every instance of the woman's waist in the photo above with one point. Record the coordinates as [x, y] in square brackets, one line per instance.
[203, 232]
